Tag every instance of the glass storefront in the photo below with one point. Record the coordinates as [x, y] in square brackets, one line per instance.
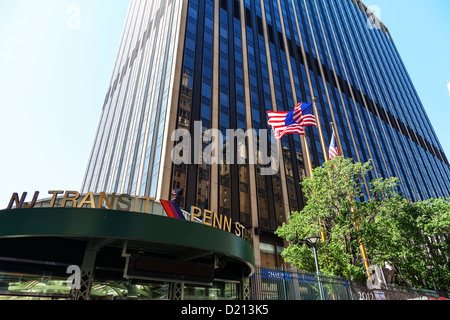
[22, 287]
[271, 255]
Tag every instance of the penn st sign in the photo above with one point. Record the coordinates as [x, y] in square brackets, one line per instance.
[122, 202]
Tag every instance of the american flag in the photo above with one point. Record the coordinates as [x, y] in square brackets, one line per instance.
[284, 122]
[308, 118]
[175, 194]
[333, 150]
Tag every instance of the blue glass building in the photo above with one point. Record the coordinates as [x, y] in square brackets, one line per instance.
[226, 63]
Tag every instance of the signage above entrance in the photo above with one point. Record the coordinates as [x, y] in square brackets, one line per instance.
[125, 202]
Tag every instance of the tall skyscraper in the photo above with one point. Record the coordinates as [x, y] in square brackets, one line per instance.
[225, 63]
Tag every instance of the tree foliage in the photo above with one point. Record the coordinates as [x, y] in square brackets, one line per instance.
[404, 235]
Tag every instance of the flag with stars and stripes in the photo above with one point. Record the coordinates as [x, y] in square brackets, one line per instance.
[333, 151]
[288, 122]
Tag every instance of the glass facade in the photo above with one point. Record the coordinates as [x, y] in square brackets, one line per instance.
[226, 63]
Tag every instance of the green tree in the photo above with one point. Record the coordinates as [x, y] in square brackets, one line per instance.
[405, 235]
[331, 209]
[408, 236]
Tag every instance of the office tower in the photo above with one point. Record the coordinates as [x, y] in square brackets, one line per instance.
[226, 63]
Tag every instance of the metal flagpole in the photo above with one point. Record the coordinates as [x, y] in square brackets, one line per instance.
[363, 249]
[309, 174]
[361, 244]
[324, 150]
[307, 157]
[337, 137]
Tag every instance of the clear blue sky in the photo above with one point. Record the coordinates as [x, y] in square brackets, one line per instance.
[54, 76]
[53, 80]
[421, 32]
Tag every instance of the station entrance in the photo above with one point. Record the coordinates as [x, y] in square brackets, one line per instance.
[95, 254]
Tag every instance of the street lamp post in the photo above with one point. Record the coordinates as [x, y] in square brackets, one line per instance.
[430, 268]
[311, 242]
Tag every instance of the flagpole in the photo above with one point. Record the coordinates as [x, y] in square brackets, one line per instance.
[362, 248]
[337, 137]
[361, 244]
[308, 164]
[322, 140]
